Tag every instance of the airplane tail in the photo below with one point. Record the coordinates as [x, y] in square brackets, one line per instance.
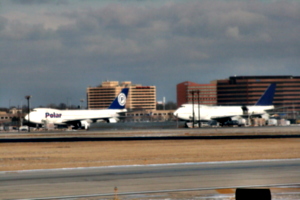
[267, 98]
[120, 100]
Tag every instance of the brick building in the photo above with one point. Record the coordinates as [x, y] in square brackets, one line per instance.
[246, 90]
[207, 93]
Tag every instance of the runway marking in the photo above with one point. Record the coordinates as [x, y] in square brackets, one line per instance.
[225, 191]
[155, 191]
[151, 165]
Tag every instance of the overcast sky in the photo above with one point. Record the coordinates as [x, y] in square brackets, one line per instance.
[54, 49]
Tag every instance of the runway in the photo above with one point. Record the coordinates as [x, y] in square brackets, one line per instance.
[103, 180]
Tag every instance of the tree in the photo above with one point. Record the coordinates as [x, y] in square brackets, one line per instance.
[4, 109]
[62, 106]
[170, 105]
[51, 105]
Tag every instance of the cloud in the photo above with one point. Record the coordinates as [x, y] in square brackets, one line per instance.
[32, 2]
[233, 32]
[158, 44]
[3, 23]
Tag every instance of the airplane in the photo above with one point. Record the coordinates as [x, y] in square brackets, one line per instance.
[80, 118]
[227, 114]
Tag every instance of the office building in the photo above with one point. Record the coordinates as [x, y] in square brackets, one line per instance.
[139, 97]
[246, 90]
[188, 91]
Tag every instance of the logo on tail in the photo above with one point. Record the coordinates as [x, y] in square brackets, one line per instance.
[122, 99]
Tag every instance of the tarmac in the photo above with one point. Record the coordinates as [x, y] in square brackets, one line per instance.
[125, 130]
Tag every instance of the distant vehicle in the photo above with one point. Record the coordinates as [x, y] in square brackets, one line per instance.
[23, 128]
[80, 118]
[231, 123]
[223, 114]
[213, 123]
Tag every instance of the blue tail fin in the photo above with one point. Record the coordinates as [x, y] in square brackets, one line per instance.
[120, 100]
[267, 98]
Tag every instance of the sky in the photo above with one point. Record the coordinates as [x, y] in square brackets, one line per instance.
[54, 49]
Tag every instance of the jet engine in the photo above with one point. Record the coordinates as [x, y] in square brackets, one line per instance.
[112, 120]
[85, 124]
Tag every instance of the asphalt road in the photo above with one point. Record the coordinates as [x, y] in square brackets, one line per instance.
[103, 180]
[152, 134]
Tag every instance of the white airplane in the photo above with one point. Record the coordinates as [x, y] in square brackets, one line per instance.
[224, 114]
[80, 118]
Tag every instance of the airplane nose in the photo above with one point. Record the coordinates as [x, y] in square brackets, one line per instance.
[175, 113]
[26, 117]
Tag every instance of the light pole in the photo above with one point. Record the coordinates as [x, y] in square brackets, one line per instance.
[28, 101]
[81, 101]
[199, 123]
[193, 92]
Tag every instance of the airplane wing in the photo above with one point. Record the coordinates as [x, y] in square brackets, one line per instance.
[225, 119]
[85, 123]
[238, 118]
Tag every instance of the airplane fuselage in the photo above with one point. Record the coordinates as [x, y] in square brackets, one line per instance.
[185, 112]
[41, 115]
[190, 112]
[80, 118]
